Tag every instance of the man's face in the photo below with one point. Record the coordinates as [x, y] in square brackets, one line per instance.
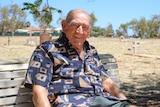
[77, 29]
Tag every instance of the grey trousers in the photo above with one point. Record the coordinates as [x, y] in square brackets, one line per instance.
[104, 102]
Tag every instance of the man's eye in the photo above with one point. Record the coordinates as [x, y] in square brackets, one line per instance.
[74, 25]
[85, 27]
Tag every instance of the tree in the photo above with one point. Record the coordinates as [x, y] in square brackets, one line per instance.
[4, 13]
[109, 31]
[17, 18]
[124, 28]
[119, 33]
[12, 18]
[27, 24]
[94, 19]
[142, 27]
[153, 28]
[98, 31]
[133, 25]
[42, 14]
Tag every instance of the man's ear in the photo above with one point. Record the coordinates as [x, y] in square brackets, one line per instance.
[63, 24]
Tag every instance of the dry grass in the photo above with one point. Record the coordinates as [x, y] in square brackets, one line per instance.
[140, 76]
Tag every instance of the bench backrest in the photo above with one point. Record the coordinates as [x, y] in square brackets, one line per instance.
[12, 91]
[111, 66]
[12, 75]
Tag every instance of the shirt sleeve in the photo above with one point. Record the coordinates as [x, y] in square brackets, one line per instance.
[40, 69]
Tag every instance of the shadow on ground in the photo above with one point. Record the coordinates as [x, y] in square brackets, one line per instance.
[144, 90]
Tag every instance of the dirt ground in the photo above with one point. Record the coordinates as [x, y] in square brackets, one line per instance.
[142, 88]
[139, 72]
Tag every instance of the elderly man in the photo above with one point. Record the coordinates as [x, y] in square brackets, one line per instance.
[68, 72]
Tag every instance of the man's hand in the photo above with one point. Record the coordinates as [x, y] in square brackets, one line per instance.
[40, 96]
[110, 87]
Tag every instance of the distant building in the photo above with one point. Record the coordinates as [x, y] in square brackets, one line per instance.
[22, 30]
[38, 29]
[57, 30]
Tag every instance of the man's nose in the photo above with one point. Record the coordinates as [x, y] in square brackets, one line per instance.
[79, 29]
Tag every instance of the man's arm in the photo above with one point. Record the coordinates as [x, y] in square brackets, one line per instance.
[40, 96]
[110, 87]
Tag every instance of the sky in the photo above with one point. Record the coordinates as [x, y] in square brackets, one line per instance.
[107, 12]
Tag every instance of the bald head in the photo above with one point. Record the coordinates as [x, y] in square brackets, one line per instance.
[71, 14]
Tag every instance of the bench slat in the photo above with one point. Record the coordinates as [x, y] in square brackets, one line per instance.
[13, 61]
[15, 74]
[21, 105]
[15, 99]
[113, 72]
[11, 83]
[115, 78]
[108, 60]
[106, 56]
[14, 91]
[13, 67]
[110, 66]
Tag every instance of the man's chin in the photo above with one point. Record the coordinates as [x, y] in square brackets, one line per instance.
[78, 45]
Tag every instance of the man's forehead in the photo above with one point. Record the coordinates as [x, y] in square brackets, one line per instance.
[79, 21]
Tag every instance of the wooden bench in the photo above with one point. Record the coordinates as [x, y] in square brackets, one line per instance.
[12, 75]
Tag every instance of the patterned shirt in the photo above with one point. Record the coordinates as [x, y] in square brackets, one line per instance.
[58, 67]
